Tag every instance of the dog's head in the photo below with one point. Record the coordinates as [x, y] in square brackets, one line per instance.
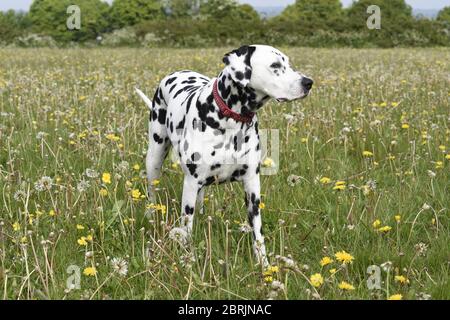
[267, 70]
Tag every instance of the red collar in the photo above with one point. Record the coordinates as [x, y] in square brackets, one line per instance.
[226, 111]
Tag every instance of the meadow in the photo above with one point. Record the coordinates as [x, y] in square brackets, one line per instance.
[362, 184]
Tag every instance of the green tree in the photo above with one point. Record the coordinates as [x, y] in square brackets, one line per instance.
[444, 15]
[182, 8]
[13, 24]
[49, 17]
[309, 16]
[130, 12]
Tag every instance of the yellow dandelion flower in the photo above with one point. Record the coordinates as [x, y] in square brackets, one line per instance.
[333, 271]
[396, 297]
[376, 223]
[136, 167]
[304, 140]
[80, 227]
[383, 104]
[439, 165]
[405, 126]
[106, 178]
[344, 257]
[90, 271]
[394, 104]
[385, 229]
[262, 206]
[16, 226]
[401, 279]
[316, 280]
[346, 286]
[103, 192]
[135, 194]
[268, 279]
[325, 261]
[325, 180]
[52, 213]
[447, 156]
[89, 237]
[398, 218]
[155, 182]
[82, 241]
[367, 154]
[442, 147]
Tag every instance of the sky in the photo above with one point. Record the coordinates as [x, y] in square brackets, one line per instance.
[417, 4]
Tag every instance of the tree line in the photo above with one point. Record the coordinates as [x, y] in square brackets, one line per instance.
[199, 23]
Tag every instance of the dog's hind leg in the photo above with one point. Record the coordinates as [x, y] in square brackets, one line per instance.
[159, 143]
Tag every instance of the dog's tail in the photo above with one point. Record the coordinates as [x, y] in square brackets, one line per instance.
[147, 101]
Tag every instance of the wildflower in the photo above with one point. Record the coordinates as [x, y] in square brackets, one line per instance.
[344, 257]
[376, 223]
[136, 167]
[277, 285]
[44, 183]
[398, 218]
[82, 186]
[106, 178]
[112, 137]
[316, 280]
[155, 182]
[16, 226]
[394, 104]
[367, 154]
[383, 104]
[396, 297]
[325, 261]
[405, 126]
[385, 229]
[175, 165]
[386, 266]
[90, 271]
[178, 234]
[447, 156]
[52, 213]
[89, 237]
[304, 140]
[262, 206]
[401, 279]
[91, 173]
[80, 227]
[346, 286]
[268, 162]
[103, 192]
[339, 185]
[120, 266]
[268, 279]
[332, 271]
[293, 180]
[442, 148]
[325, 180]
[245, 228]
[82, 241]
[136, 194]
[439, 165]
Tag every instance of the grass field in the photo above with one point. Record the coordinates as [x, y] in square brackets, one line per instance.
[363, 168]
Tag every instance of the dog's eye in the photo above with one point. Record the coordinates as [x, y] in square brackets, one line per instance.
[275, 65]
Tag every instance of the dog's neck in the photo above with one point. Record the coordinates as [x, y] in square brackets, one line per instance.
[242, 100]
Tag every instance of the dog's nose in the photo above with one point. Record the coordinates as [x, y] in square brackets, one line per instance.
[307, 83]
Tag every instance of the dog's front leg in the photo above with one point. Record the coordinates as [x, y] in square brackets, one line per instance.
[253, 201]
[190, 191]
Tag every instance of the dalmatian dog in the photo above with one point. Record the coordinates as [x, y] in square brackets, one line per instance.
[213, 127]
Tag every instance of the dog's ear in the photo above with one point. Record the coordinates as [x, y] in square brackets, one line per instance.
[238, 65]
